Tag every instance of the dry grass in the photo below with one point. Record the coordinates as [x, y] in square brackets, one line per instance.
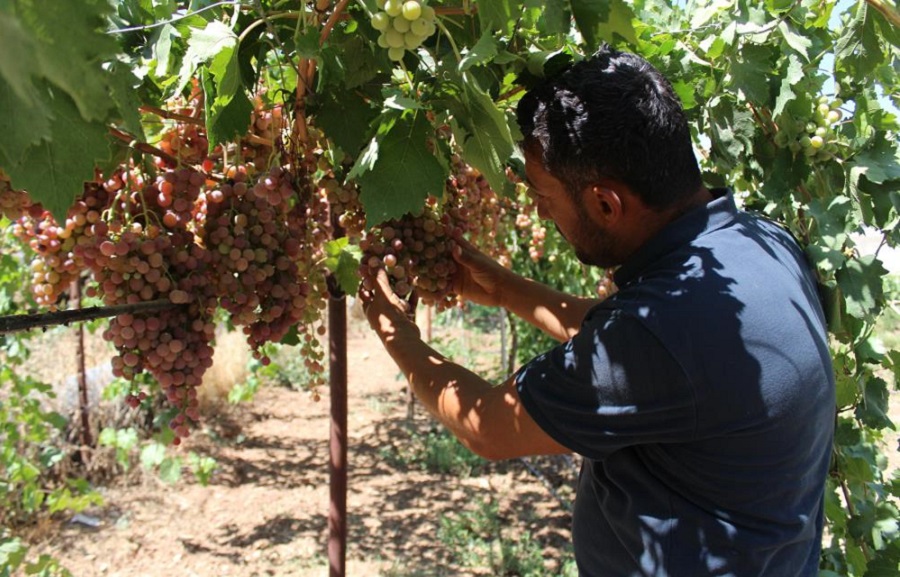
[229, 368]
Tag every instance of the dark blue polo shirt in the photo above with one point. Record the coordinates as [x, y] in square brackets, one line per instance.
[702, 398]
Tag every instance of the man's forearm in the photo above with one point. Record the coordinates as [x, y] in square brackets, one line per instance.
[488, 419]
[455, 395]
[556, 313]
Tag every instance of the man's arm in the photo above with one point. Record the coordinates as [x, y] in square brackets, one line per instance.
[489, 420]
[484, 281]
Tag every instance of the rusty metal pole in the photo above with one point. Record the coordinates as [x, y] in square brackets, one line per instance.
[81, 374]
[337, 366]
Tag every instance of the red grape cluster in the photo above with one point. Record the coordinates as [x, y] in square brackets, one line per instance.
[346, 208]
[415, 250]
[57, 247]
[606, 286]
[186, 142]
[266, 127]
[253, 246]
[257, 236]
[536, 231]
[475, 208]
[13, 203]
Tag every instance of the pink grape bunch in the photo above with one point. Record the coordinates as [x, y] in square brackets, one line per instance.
[186, 141]
[477, 210]
[264, 248]
[415, 251]
[147, 251]
[58, 259]
[346, 209]
[536, 234]
[14, 203]
[267, 123]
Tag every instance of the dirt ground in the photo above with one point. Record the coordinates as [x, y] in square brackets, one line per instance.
[265, 511]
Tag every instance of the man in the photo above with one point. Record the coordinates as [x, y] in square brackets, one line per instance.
[700, 395]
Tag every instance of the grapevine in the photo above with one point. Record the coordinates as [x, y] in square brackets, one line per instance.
[251, 246]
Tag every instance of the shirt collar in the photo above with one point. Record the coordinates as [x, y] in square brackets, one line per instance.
[689, 226]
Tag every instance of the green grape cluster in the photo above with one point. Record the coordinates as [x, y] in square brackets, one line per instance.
[818, 139]
[404, 25]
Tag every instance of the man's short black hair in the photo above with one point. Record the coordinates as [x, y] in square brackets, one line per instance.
[612, 115]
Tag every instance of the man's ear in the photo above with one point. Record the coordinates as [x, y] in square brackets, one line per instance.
[604, 204]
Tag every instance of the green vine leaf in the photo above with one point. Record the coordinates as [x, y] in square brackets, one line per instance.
[860, 281]
[482, 131]
[603, 20]
[555, 16]
[792, 77]
[483, 52]
[387, 192]
[795, 40]
[858, 49]
[345, 118]
[70, 48]
[498, 14]
[204, 45]
[19, 130]
[343, 261]
[56, 169]
[873, 410]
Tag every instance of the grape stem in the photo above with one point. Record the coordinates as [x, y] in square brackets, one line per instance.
[142, 146]
[15, 323]
[172, 115]
[449, 38]
[332, 20]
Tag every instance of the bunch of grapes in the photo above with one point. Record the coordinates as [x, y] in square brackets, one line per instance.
[415, 251]
[58, 258]
[146, 250]
[822, 142]
[817, 138]
[263, 243]
[477, 210]
[13, 203]
[266, 127]
[606, 286]
[404, 25]
[346, 208]
[187, 142]
[536, 233]
[184, 140]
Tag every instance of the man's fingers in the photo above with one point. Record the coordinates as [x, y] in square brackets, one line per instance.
[383, 282]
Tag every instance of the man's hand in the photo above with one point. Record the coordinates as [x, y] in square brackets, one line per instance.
[387, 313]
[480, 279]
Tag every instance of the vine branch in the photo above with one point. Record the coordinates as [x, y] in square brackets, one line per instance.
[889, 12]
[15, 323]
[142, 146]
[168, 114]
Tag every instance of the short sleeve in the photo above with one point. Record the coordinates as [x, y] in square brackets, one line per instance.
[612, 385]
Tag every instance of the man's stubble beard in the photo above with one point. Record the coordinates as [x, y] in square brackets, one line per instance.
[593, 245]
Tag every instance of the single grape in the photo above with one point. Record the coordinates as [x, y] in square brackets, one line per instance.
[419, 27]
[393, 7]
[400, 24]
[412, 10]
[381, 21]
